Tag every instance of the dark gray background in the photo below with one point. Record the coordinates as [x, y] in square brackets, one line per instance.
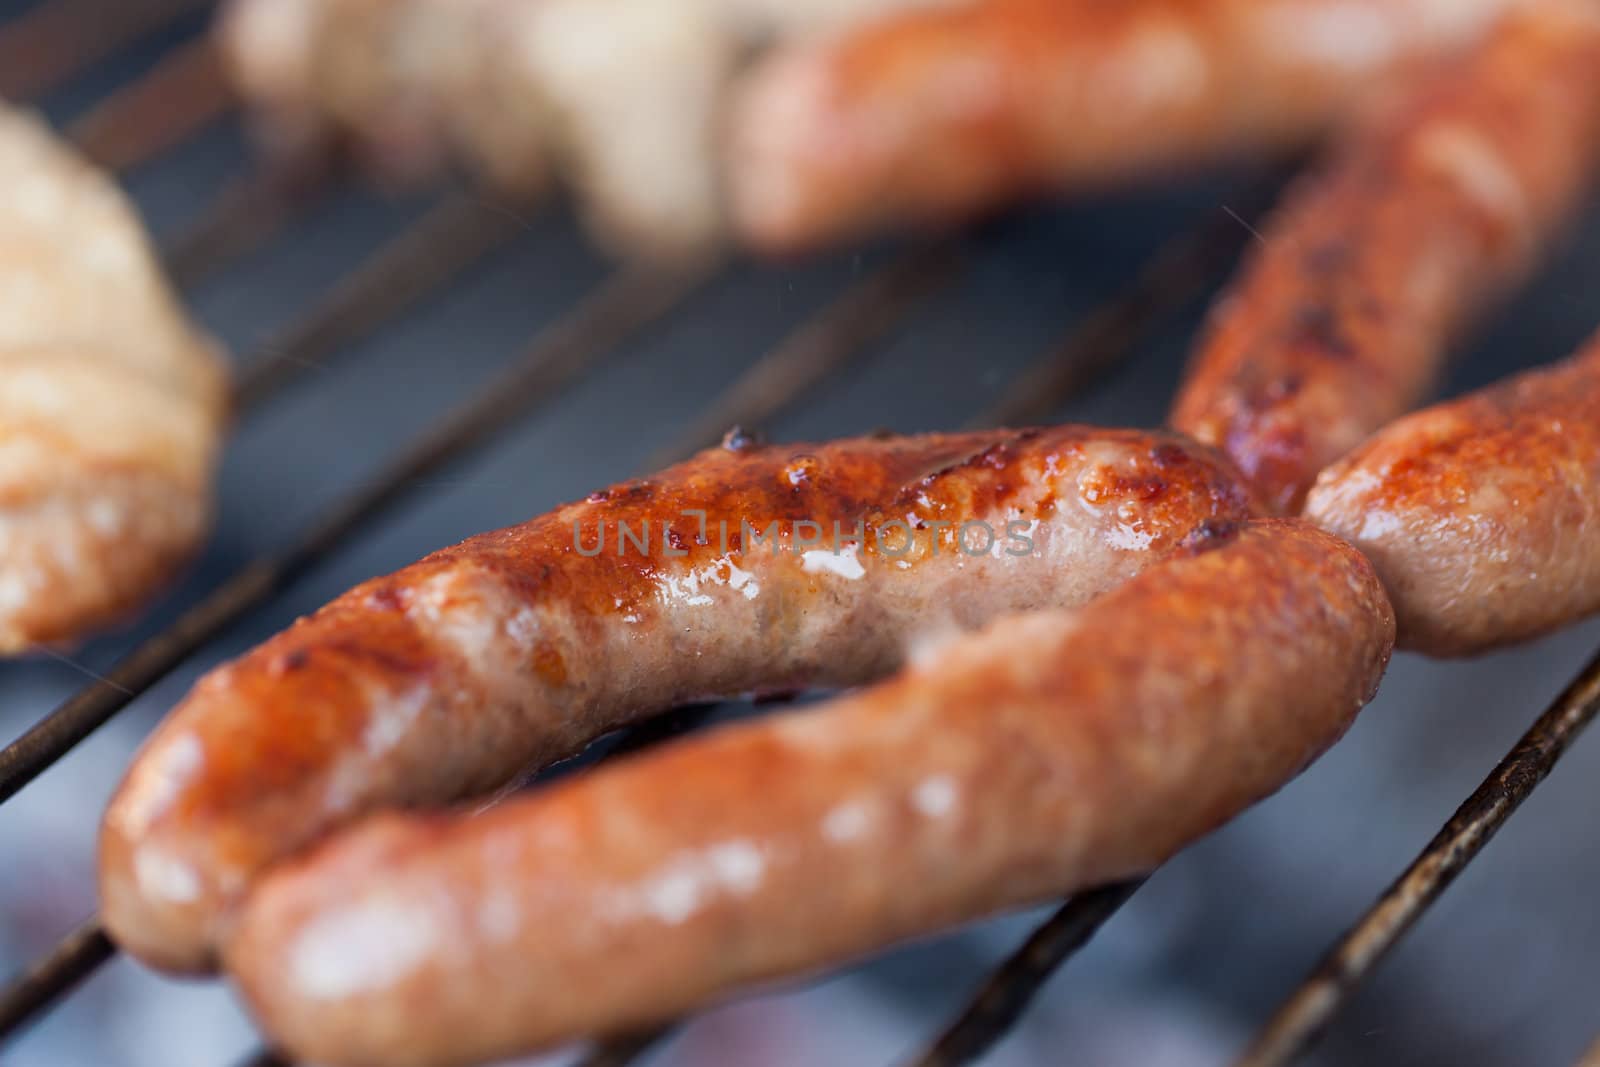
[1504, 973]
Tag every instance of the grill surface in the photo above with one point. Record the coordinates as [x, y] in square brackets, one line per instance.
[392, 401]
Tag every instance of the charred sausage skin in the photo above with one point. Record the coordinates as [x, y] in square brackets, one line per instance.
[518, 647]
[1051, 751]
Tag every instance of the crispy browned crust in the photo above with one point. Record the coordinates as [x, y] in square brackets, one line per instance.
[111, 403]
[1340, 321]
[514, 648]
[1052, 751]
[933, 116]
[1481, 514]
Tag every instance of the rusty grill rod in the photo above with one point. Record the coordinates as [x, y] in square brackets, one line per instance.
[176, 99]
[629, 301]
[50, 44]
[1308, 1011]
[451, 236]
[829, 341]
[73, 959]
[1006, 994]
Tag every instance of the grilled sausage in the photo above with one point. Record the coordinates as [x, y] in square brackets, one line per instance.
[111, 402]
[518, 647]
[1340, 322]
[934, 116]
[1050, 752]
[1479, 514]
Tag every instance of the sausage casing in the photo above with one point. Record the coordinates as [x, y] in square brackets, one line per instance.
[519, 647]
[1340, 322]
[1480, 514]
[934, 116]
[1051, 751]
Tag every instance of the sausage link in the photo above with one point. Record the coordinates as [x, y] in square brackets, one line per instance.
[1052, 751]
[938, 115]
[517, 648]
[1480, 514]
[1340, 322]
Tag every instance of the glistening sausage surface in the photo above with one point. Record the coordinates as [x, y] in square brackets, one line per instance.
[516, 648]
[1340, 322]
[937, 115]
[1481, 515]
[1052, 751]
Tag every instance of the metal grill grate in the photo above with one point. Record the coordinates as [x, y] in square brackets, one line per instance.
[184, 94]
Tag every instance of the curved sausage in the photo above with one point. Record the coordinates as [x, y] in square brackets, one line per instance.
[1052, 751]
[519, 647]
[1481, 514]
[935, 116]
[1340, 322]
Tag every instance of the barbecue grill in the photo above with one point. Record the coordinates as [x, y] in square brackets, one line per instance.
[397, 406]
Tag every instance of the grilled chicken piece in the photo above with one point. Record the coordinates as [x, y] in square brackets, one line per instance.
[111, 403]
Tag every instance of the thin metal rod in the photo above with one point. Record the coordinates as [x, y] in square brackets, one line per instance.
[51, 43]
[246, 214]
[451, 236]
[265, 1058]
[1100, 342]
[177, 98]
[624, 1050]
[1002, 999]
[1309, 1010]
[824, 344]
[72, 960]
[633, 298]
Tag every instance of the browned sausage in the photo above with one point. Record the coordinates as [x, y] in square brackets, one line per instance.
[1481, 514]
[1340, 322]
[1052, 751]
[519, 647]
[933, 116]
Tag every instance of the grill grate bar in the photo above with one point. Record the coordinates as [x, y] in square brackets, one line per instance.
[1177, 273]
[48, 45]
[246, 214]
[825, 344]
[1008, 991]
[70, 962]
[629, 301]
[264, 1058]
[458, 231]
[622, 1051]
[178, 98]
[1307, 1012]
